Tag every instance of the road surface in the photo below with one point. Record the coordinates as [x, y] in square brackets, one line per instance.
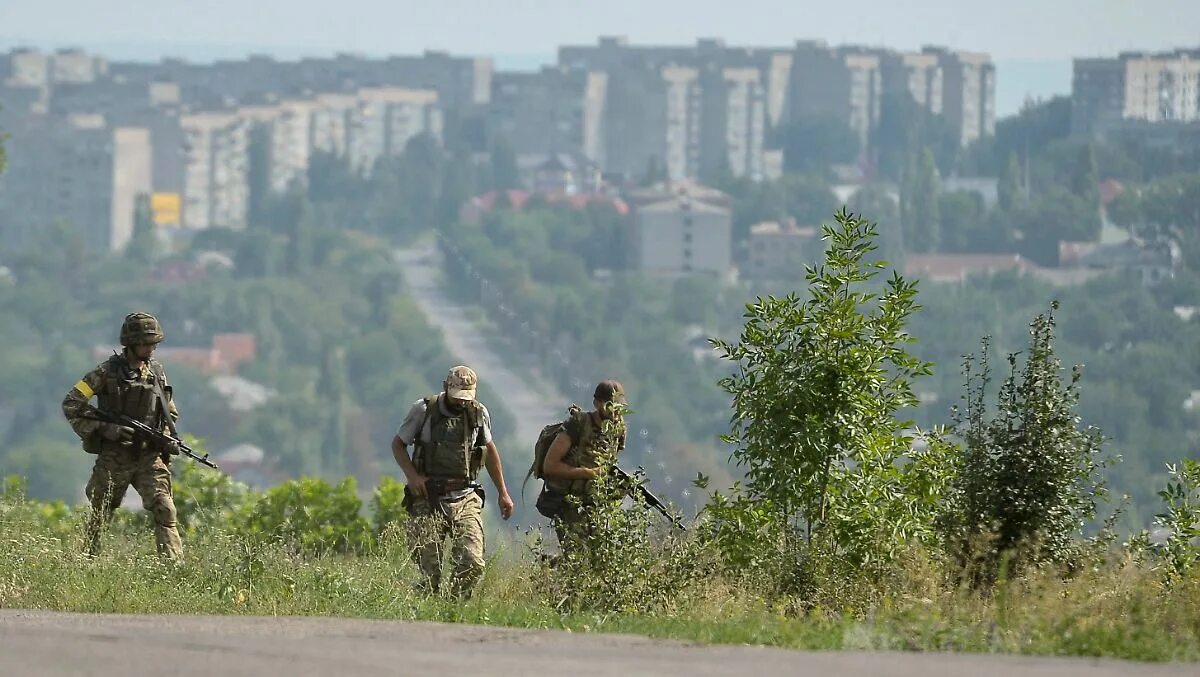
[50, 644]
[533, 401]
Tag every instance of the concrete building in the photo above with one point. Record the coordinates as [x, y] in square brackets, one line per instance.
[25, 68]
[554, 110]
[289, 131]
[215, 184]
[653, 119]
[917, 74]
[733, 123]
[78, 171]
[1135, 87]
[76, 67]
[609, 53]
[682, 228]
[968, 92]
[844, 83]
[780, 249]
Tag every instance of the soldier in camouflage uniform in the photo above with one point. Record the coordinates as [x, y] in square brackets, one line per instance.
[451, 434]
[134, 384]
[587, 448]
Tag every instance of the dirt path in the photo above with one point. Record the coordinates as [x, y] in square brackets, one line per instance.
[49, 644]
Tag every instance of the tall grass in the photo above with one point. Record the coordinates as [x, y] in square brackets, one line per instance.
[1119, 608]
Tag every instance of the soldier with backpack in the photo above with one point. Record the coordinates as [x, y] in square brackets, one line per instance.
[571, 455]
[451, 434]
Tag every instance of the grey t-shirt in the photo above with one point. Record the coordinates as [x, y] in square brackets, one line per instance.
[408, 430]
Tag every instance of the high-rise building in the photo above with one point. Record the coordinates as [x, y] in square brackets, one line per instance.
[215, 182]
[842, 83]
[968, 92]
[733, 122]
[918, 75]
[78, 171]
[554, 110]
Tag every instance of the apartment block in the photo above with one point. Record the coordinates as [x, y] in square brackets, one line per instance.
[733, 123]
[25, 68]
[681, 228]
[844, 83]
[774, 64]
[1136, 86]
[653, 117]
[968, 92]
[917, 74]
[75, 170]
[385, 119]
[780, 249]
[215, 182]
[76, 67]
[553, 110]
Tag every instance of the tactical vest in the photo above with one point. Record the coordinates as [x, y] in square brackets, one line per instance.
[125, 392]
[596, 446]
[448, 451]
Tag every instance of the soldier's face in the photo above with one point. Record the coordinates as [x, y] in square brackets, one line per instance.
[143, 351]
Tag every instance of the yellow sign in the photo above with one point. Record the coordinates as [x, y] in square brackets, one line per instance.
[166, 208]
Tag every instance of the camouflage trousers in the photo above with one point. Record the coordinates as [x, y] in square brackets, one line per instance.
[575, 530]
[115, 471]
[430, 524]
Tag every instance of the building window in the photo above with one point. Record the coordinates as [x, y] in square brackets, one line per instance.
[687, 238]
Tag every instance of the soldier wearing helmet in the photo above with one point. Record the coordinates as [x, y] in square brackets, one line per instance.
[134, 384]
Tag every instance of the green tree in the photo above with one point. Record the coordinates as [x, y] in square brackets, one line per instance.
[818, 385]
[1009, 191]
[143, 244]
[1085, 178]
[1029, 476]
[919, 206]
[904, 129]
[504, 166]
[813, 144]
[961, 214]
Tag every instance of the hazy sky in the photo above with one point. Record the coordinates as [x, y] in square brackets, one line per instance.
[1032, 41]
[1008, 29]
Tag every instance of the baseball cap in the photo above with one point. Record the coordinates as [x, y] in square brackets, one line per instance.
[610, 391]
[461, 382]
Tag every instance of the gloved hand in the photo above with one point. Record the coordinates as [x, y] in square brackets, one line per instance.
[120, 434]
[171, 448]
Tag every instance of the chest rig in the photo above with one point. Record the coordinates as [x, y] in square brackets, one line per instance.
[446, 444]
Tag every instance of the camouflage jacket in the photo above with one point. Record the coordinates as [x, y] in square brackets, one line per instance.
[118, 388]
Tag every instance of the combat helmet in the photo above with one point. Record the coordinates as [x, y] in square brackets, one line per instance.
[141, 328]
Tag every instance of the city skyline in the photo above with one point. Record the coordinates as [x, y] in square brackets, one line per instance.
[1033, 57]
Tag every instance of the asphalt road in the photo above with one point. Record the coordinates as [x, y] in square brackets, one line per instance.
[532, 401]
[49, 644]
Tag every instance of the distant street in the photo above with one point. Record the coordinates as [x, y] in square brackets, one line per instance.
[48, 644]
[532, 401]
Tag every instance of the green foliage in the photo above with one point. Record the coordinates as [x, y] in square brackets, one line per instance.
[309, 515]
[1177, 543]
[905, 129]
[919, 205]
[1029, 476]
[206, 501]
[815, 398]
[387, 511]
[813, 144]
[630, 562]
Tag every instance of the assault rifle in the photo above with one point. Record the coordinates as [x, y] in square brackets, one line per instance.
[146, 432]
[651, 500]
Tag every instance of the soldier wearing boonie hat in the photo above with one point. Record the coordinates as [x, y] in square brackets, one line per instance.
[451, 434]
